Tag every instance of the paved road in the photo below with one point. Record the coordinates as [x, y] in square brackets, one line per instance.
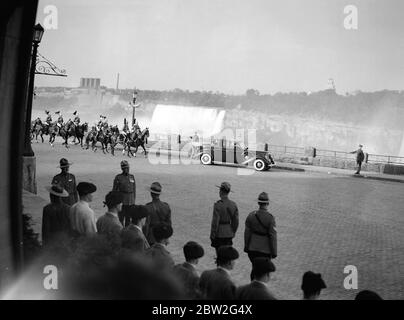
[324, 222]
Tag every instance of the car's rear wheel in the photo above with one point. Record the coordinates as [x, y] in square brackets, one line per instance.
[259, 165]
[206, 159]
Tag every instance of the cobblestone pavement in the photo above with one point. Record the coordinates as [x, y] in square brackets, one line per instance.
[324, 222]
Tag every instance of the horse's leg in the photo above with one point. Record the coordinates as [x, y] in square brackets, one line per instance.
[145, 152]
[66, 142]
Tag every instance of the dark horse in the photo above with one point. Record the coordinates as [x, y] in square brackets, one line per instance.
[94, 137]
[67, 131]
[113, 137]
[37, 130]
[53, 131]
[141, 140]
[80, 131]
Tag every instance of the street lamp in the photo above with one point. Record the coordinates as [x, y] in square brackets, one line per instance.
[37, 37]
[134, 97]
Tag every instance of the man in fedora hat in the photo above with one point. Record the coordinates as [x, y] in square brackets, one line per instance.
[82, 217]
[225, 219]
[125, 184]
[217, 284]
[258, 289]
[360, 156]
[55, 216]
[67, 181]
[186, 272]
[109, 224]
[312, 284]
[132, 235]
[260, 234]
[160, 212]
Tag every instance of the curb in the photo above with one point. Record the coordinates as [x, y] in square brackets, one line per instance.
[371, 177]
[289, 168]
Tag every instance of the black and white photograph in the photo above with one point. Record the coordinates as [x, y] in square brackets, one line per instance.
[216, 153]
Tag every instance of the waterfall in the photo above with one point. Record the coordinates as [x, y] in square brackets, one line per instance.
[185, 120]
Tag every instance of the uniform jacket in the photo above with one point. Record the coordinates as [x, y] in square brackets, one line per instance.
[160, 256]
[189, 278]
[55, 221]
[159, 212]
[225, 219]
[126, 184]
[82, 219]
[134, 239]
[261, 238]
[216, 284]
[67, 182]
[254, 291]
[109, 224]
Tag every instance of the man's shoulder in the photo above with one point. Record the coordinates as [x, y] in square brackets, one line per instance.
[252, 214]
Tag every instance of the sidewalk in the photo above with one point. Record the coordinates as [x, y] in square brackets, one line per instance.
[339, 172]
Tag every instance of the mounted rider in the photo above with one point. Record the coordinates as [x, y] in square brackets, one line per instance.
[48, 120]
[136, 128]
[60, 119]
[76, 119]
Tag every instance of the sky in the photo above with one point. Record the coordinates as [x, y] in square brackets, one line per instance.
[226, 45]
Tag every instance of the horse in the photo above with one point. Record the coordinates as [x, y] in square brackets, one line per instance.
[53, 131]
[67, 131]
[94, 137]
[140, 140]
[113, 137]
[80, 130]
[37, 130]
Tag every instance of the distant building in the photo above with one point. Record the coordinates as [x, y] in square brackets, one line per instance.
[90, 83]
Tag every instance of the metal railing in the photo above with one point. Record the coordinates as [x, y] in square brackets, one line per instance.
[301, 152]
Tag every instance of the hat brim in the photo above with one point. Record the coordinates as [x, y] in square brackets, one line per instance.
[64, 194]
[65, 165]
[153, 191]
[221, 188]
[263, 201]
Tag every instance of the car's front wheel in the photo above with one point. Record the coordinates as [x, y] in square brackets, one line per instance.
[206, 159]
[259, 165]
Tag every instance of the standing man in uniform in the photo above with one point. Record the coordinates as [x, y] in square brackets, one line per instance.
[160, 212]
[260, 235]
[225, 219]
[360, 156]
[125, 183]
[66, 181]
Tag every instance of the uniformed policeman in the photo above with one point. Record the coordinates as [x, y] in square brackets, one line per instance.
[160, 212]
[126, 184]
[67, 181]
[225, 219]
[260, 238]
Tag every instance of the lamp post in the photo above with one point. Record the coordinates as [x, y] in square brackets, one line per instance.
[134, 97]
[38, 33]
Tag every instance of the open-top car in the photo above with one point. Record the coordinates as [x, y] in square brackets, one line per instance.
[222, 151]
